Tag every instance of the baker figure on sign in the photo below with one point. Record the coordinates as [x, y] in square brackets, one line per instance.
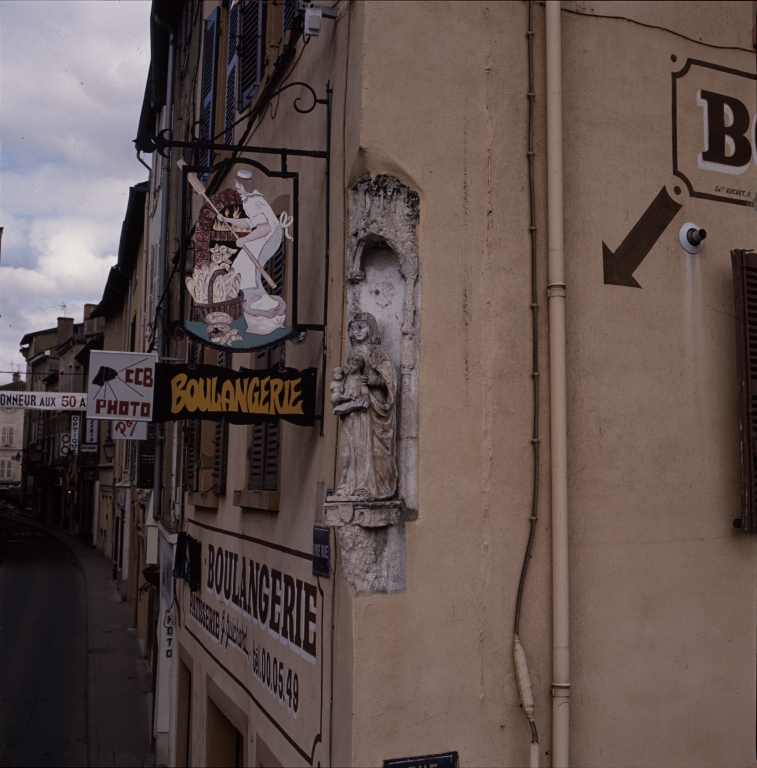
[264, 313]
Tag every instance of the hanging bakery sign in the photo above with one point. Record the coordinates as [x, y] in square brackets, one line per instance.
[236, 283]
[241, 397]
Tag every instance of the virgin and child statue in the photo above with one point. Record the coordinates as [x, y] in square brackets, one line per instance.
[364, 392]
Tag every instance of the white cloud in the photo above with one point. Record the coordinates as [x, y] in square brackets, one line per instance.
[72, 77]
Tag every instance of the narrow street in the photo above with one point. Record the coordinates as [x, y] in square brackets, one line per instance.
[66, 650]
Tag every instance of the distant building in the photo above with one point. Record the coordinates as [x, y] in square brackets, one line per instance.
[55, 490]
[11, 439]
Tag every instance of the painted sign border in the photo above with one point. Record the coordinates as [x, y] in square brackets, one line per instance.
[294, 553]
[676, 172]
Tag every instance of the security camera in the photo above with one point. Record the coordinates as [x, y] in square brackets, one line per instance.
[691, 236]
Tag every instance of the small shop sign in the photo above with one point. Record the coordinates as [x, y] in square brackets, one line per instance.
[64, 443]
[129, 430]
[321, 551]
[73, 446]
[121, 384]
[89, 444]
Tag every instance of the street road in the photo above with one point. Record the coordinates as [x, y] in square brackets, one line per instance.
[43, 650]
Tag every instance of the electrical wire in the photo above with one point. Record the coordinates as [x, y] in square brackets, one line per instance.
[577, 12]
[535, 337]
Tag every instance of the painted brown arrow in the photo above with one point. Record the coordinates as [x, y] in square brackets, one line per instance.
[620, 266]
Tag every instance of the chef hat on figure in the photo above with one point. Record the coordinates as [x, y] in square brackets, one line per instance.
[244, 177]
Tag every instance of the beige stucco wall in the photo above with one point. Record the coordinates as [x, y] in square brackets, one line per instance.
[662, 587]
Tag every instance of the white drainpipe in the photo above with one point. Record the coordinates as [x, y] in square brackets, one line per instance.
[557, 395]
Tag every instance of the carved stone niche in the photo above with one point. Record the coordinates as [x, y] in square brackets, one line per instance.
[383, 281]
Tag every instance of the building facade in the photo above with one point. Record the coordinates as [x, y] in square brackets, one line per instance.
[468, 472]
[486, 165]
[11, 442]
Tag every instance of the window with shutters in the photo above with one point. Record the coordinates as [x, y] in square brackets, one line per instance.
[745, 300]
[232, 60]
[7, 435]
[189, 14]
[288, 16]
[5, 469]
[265, 438]
[250, 50]
[208, 87]
[220, 441]
[146, 460]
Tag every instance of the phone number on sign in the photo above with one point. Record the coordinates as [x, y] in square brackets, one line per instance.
[280, 681]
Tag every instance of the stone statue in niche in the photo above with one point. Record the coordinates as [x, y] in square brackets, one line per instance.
[364, 396]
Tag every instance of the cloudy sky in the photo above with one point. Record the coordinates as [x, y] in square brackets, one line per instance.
[72, 77]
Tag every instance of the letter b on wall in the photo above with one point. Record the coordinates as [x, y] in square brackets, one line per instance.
[726, 123]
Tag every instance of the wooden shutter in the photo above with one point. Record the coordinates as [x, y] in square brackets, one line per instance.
[257, 457]
[271, 468]
[265, 438]
[192, 433]
[288, 16]
[256, 451]
[208, 87]
[220, 445]
[231, 76]
[745, 295]
[250, 50]
[146, 460]
[220, 441]
[191, 455]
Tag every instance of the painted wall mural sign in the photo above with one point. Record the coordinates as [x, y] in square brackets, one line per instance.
[237, 303]
[261, 616]
[714, 120]
[714, 145]
[121, 384]
[241, 397]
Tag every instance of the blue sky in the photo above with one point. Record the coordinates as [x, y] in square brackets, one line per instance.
[72, 77]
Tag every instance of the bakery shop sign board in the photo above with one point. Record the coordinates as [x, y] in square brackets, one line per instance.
[236, 284]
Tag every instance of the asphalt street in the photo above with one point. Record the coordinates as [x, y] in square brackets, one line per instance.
[43, 650]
